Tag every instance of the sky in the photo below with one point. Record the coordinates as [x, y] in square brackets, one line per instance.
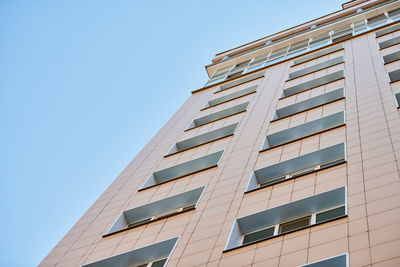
[84, 85]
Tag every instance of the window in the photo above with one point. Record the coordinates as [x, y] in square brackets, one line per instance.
[394, 76]
[337, 261]
[219, 75]
[337, 34]
[309, 104]
[155, 255]
[297, 48]
[235, 95]
[277, 55]
[316, 67]
[320, 41]
[287, 218]
[238, 69]
[291, 226]
[296, 167]
[334, 36]
[360, 27]
[157, 263]
[391, 57]
[377, 21]
[313, 83]
[387, 30]
[203, 139]
[394, 15]
[389, 43]
[257, 62]
[259, 235]
[218, 115]
[304, 130]
[240, 81]
[318, 54]
[183, 169]
[397, 99]
[342, 34]
[156, 210]
[228, 73]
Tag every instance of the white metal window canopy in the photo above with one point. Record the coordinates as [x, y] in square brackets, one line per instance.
[183, 169]
[139, 256]
[305, 164]
[156, 210]
[285, 213]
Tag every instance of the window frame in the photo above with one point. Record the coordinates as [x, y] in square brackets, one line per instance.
[274, 216]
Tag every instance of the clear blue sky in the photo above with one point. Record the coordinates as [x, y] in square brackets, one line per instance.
[84, 85]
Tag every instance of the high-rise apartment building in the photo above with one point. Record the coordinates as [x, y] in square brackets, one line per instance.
[288, 156]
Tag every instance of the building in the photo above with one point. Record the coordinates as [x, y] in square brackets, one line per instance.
[288, 156]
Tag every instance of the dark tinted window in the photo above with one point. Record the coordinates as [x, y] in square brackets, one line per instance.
[259, 235]
[331, 214]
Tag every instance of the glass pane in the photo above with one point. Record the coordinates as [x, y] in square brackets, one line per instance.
[234, 75]
[272, 181]
[342, 31]
[377, 21]
[394, 76]
[294, 225]
[255, 67]
[338, 261]
[397, 97]
[238, 68]
[159, 263]
[318, 45]
[391, 57]
[395, 14]
[258, 235]
[342, 38]
[222, 72]
[396, 18]
[278, 53]
[214, 81]
[272, 61]
[296, 53]
[258, 60]
[298, 46]
[330, 214]
[219, 75]
[133, 224]
[321, 38]
[243, 64]
[360, 27]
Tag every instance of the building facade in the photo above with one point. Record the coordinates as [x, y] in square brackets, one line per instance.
[288, 156]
